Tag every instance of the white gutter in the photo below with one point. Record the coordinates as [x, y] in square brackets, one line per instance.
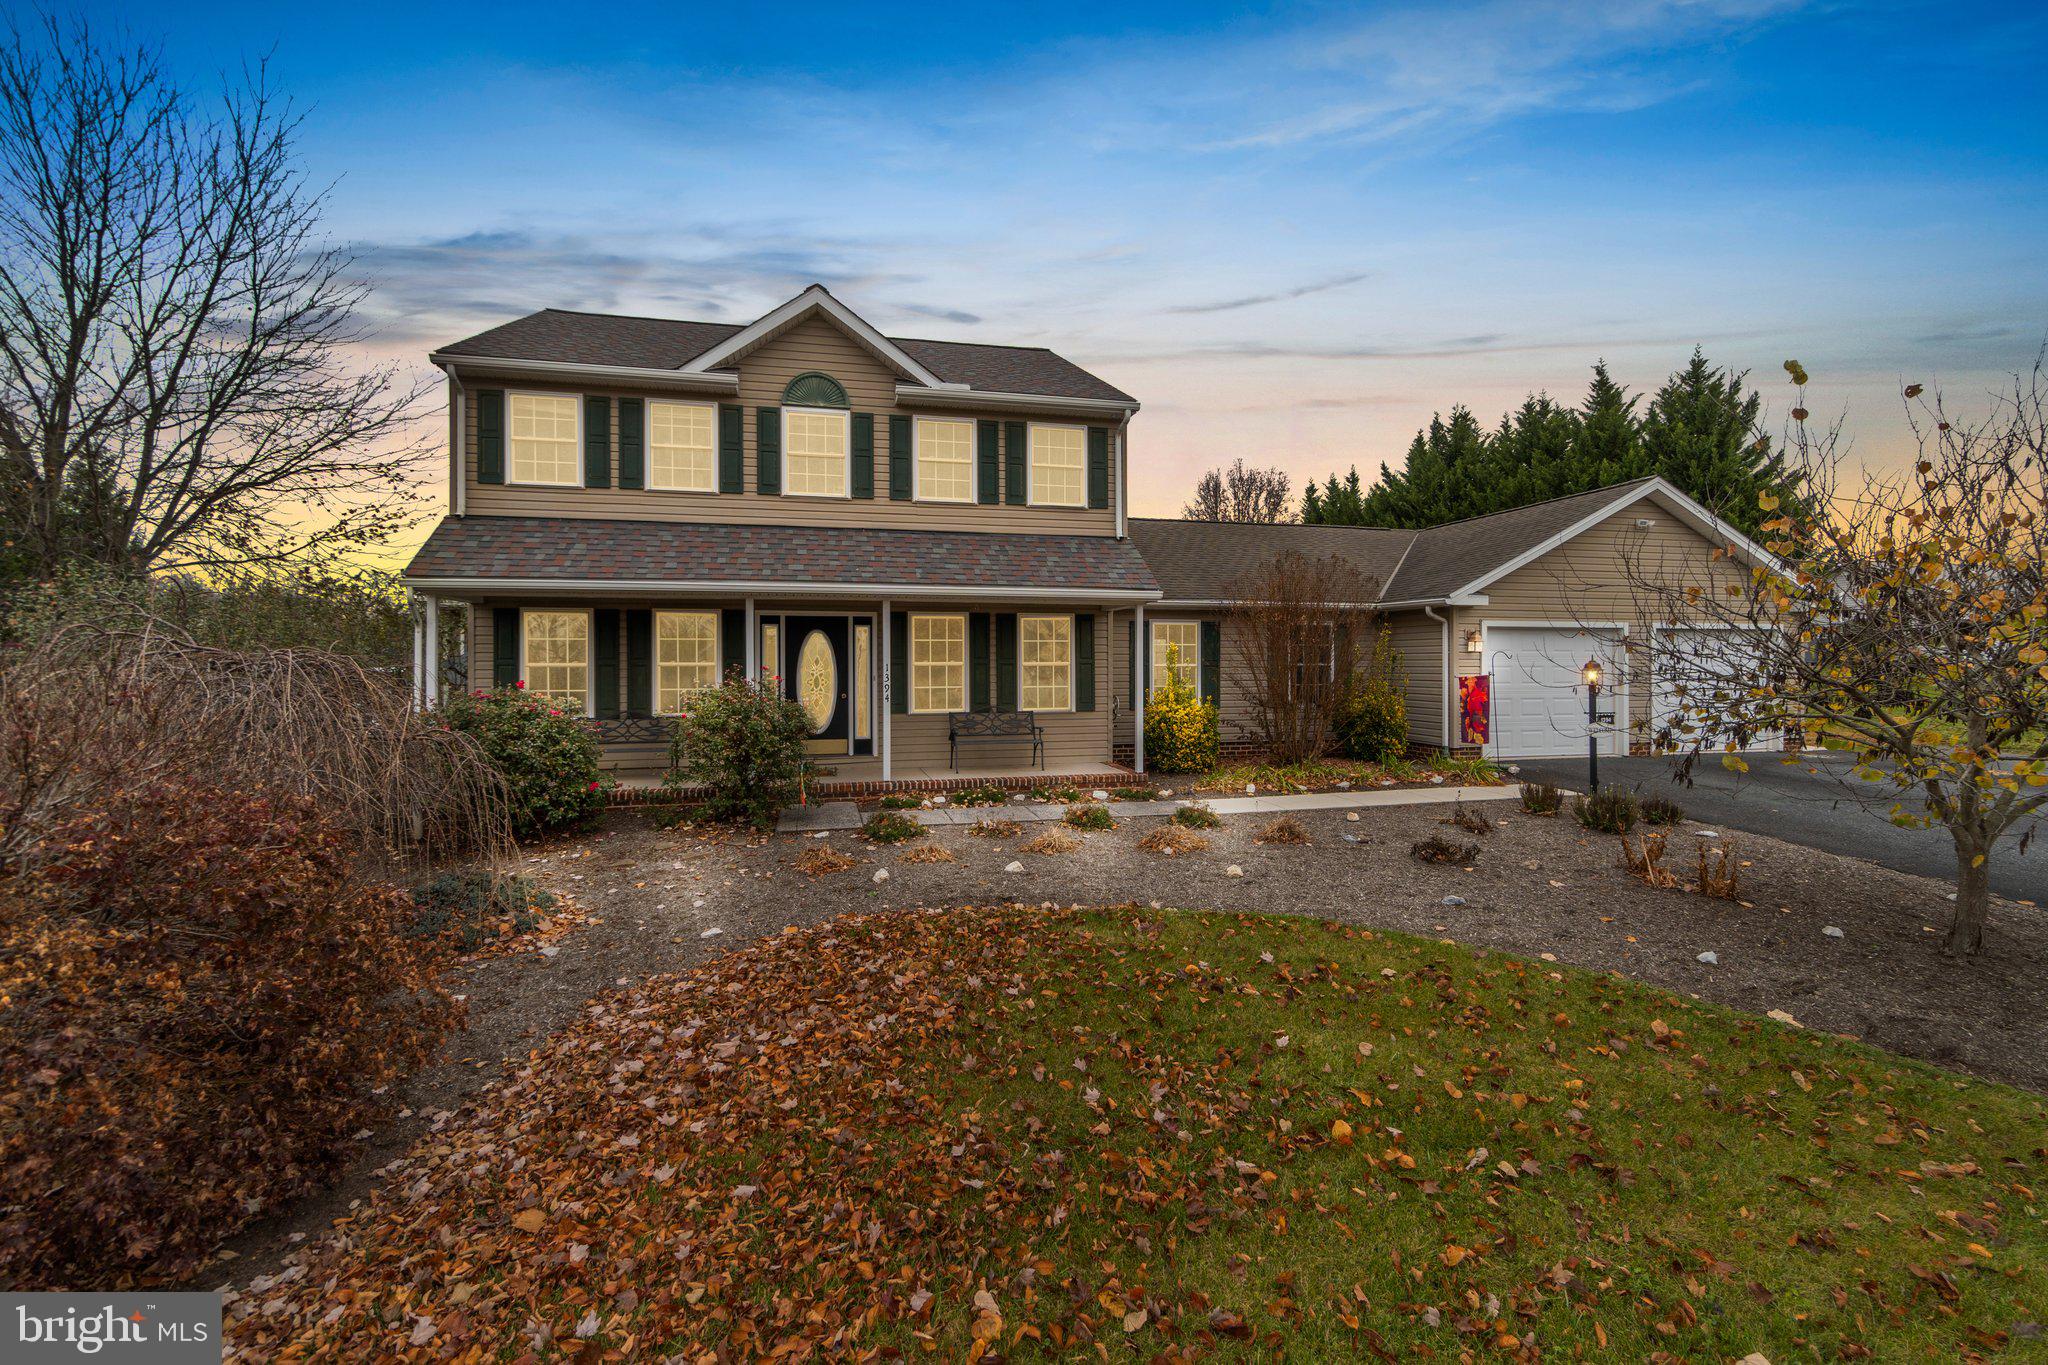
[1123, 480]
[760, 588]
[1026, 402]
[558, 369]
[460, 500]
[1430, 612]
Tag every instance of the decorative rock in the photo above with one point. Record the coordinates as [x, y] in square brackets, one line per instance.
[1454, 900]
[1352, 816]
[1782, 1017]
[1343, 786]
[1233, 871]
[1712, 959]
[938, 800]
[1548, 957]
[1832, 932]
[1351, 838]
[1436, 779]
[1013, 867]
[1707, 833]
[1098, 795]
[881, 874]
[711, 933]
[1251, 789]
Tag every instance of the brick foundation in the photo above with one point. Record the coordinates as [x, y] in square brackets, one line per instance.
[853, 791]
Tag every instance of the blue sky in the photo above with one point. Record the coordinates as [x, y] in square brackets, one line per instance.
[1292, 232]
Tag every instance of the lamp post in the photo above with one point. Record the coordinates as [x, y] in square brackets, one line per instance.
[1591, 673]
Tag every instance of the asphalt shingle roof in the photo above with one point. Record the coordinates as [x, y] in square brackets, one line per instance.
[1202, 561]
[591, 549]
[667, 344]
[1445, 558]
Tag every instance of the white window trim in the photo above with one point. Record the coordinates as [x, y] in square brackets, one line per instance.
[589, 650]
[1072, 645]
[717, 647]
[846, 464]
[654, 487]
[1152, 650]
[1031, 497]
[966, 660]
[917, 493]
[576, 444]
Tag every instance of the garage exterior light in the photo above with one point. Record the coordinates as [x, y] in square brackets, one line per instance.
[1473, 644]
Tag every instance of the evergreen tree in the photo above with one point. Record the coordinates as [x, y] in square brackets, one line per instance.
[1534, 453]
[1610, 443]
[1701, 434]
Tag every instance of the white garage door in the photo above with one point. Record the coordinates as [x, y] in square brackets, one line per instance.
[1713, 666]
[1539, 700]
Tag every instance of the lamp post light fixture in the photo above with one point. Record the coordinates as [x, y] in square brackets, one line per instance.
[1591, 673]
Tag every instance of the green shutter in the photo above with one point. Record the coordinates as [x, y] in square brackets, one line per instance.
[1212, 663]
[1014, 478]
[1084, 663]
[505, 647]
[978, 624]
[640, 663]
[1006, 661]
[490, 436]
[605, 646]
[732, 446]
[1098, 466]
[863, 454]
[899, 659]
[987, 434]
[899, 458]
[1131, 657]
[632, 443]
[768, 449]
[597, 442]
[732, 641]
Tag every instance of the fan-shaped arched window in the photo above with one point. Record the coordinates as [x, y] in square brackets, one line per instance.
[814, 390]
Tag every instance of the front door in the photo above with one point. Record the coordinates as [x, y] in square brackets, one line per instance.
[815, 675]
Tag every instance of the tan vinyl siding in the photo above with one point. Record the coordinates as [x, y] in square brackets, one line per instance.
[1586, 582]
[1420, 643]
[814, 344]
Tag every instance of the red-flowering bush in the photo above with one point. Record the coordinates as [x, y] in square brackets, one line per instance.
[198, 999]
[548, 758]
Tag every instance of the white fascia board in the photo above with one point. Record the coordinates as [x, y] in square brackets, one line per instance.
[957, 397]
[702, 588]
[815, 299]
[478, 366]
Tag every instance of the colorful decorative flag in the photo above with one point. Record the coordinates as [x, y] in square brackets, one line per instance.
[1475, 708]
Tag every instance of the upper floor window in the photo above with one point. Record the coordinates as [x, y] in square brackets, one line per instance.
[557, 662]
[814, 452]
[1059, 466]
[1176, 653]
[938, 664]
[681, 451]
[685, 657]
[945, 460]
[1045, 663]
[543, 430]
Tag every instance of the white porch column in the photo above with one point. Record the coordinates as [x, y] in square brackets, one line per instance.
[753, 645]
[1138, 680]
[433, 651]
[419, 655]
[888, 701]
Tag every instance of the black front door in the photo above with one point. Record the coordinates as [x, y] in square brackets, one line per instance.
[816, 677]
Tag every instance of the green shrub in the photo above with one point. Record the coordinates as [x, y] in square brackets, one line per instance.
[470, 908]
[1134, 793]
[1660, 810]
[1611, 810]
[988, 794]
[1088, 815]
[1056, 795]
[890, 827]
[901, 801]
[1197, 816]
[548, 758]
[1471, 821]
[743, 746]
[1181, 733]
[1540, 798]
[1372, 716]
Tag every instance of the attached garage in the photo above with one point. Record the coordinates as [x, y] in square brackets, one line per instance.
[1539, 698]
[1693, 667]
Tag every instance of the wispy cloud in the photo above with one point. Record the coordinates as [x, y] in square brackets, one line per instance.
[1449, 347]
[1277, 296]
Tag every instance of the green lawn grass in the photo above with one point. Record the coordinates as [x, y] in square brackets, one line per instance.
[1315, 774]
[1169, 1134]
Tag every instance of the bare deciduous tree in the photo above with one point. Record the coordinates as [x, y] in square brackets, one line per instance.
[178, 379]
[1240, 493]
[1296, 625]
[1907, 621]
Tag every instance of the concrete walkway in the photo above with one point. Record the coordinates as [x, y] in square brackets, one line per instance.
[832, 815]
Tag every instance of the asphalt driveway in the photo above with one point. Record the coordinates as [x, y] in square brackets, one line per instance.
[1818, 810]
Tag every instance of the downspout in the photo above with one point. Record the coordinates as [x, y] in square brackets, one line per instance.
[460, 498]
[1449, 666]
[1123, 480]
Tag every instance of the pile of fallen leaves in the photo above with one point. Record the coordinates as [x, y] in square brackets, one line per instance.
[1172, 839]
[1285, 830]
[1050, 842]
[926, 853]
[820, 861]
[984, 1133]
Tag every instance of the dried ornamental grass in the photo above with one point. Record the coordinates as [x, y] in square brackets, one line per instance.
[1171, 840]
[822, 861]
[994, 829]
[1437, 849]
[1050, 842]
[1285, 830]
[1471, 821]
[926, 853]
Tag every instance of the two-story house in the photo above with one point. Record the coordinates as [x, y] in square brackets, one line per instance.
[902, 533]
[895, 530]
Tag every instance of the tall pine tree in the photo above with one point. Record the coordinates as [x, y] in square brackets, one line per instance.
[1701, 434]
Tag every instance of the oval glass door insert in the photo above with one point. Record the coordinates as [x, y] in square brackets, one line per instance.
[817, 680]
